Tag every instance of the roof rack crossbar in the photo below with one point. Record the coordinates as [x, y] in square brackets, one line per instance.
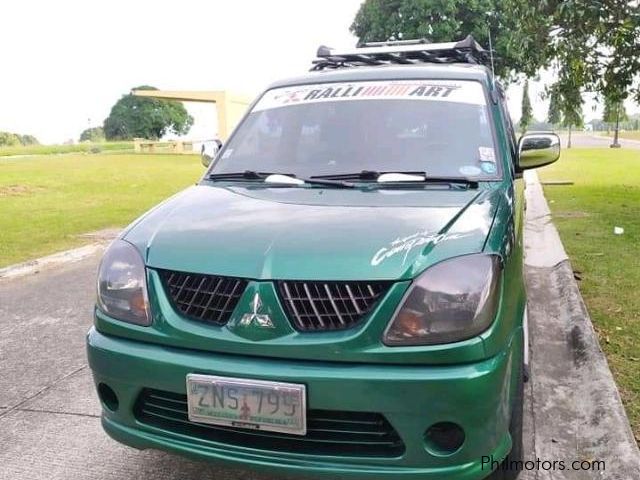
[394, 42]
[369, 59]
[403, 52]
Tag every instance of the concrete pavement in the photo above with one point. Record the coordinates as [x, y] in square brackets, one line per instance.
[49, 414]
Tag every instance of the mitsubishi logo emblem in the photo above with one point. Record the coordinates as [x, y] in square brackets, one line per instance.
[258, 319]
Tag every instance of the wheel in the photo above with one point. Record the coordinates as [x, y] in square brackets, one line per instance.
[515, 456]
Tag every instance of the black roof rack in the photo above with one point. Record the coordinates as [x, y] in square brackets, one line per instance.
[403, 52]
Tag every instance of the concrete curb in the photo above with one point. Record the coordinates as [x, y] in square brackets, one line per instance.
[34, 266]
[542, 244]
[577, 410]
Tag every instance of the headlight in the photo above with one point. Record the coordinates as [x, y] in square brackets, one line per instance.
[451, 301]
[122, 285]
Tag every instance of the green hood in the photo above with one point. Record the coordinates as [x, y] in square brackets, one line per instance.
[313, 234]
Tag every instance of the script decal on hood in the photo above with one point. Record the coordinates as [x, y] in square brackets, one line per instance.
[406, 244]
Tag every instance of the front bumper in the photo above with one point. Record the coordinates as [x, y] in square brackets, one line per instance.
[412, 398]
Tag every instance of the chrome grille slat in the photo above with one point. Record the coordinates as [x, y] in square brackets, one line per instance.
[326, 306]
[211, 297]
[205, 298]
[353, 300]
[313, 305]
[230, 297]
[293, 305]
[333, 304]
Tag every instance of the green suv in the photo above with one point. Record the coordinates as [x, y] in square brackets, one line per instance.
[341, 294]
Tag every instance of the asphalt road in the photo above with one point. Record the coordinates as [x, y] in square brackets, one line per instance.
[590, 140]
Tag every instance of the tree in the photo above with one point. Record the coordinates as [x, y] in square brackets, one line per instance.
[611, 110]
[140, 117]
[599, 41]
[527, 111]
[92, 134]
[9, 139]
[572, 114]
[449, 20]
[569, 100]
[28, 140]
[614, 112]
[12, 139]
[555, 115]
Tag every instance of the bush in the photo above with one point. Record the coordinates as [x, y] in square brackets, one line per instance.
[93, 134]
[8, 139]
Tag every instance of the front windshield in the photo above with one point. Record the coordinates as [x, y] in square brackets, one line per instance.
[437, 127]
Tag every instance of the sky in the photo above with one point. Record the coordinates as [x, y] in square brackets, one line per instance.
[65, 63]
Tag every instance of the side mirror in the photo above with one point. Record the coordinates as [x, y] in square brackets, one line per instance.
[537, 149]
[209, 150]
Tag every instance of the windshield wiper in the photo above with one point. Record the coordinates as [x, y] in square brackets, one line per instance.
[328, 182]
[246, 175]
[363, 175]
[276, 178]
[399, 178]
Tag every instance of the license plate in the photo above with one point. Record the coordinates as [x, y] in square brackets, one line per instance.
[251, 404]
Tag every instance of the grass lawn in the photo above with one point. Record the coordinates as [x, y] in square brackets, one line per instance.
[606, 194]
[631, 134]
[47, 201]
[75, 148]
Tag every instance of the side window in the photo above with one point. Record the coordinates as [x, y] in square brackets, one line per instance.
[510, 130]
[511, 133]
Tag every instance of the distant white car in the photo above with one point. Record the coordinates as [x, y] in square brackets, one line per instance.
[209, 150]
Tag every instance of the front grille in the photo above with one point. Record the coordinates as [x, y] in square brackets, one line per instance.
[206, 298]
[329, 432]
[322, 306]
